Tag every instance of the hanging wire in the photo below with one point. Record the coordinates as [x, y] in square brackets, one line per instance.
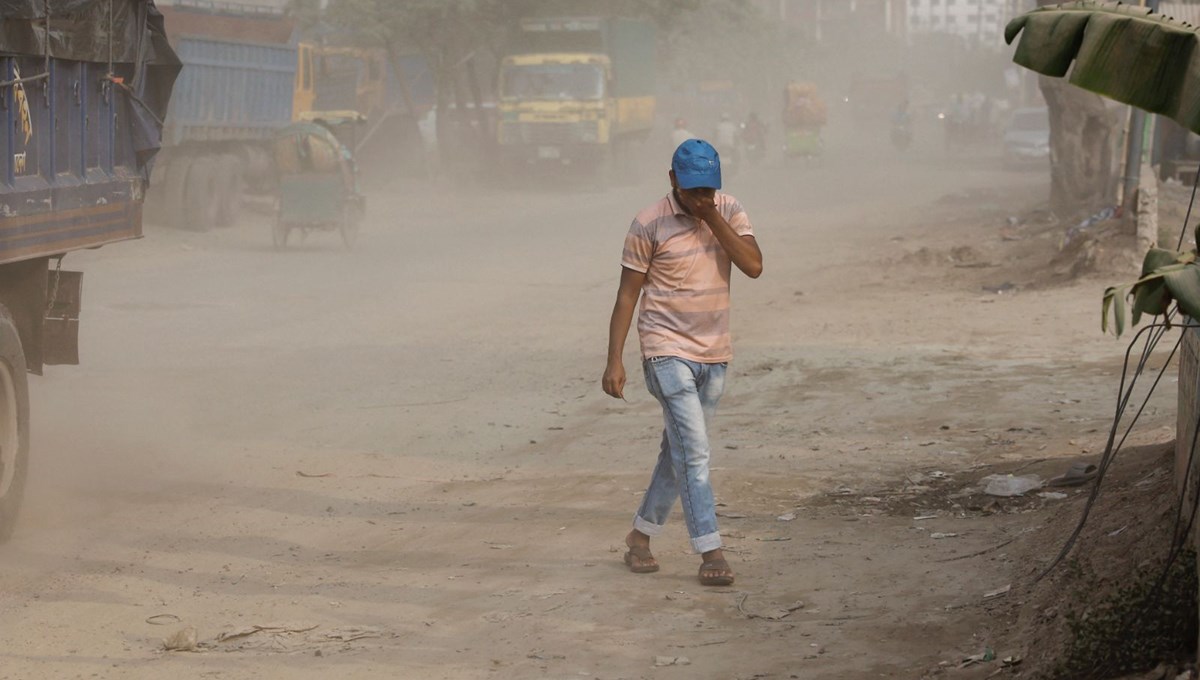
[1123, 395]
[46, 51]
[1153, 333]
[110, 37]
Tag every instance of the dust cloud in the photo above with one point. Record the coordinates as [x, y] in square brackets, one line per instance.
[408, 438]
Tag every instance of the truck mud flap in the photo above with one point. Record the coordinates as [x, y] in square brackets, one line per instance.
[60, 328]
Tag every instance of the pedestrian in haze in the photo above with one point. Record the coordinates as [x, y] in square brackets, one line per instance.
[677, 261]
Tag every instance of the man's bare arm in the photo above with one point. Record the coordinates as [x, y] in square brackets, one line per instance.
[743, 251]
[630, 289]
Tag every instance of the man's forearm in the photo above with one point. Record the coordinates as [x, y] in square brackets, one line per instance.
[618, 328]
[742, 252]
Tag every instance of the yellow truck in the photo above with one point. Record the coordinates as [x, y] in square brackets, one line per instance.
[576, 91]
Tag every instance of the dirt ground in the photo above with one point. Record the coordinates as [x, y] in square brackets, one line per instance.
[397, 461]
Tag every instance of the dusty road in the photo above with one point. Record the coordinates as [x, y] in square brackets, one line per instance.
[398, 460]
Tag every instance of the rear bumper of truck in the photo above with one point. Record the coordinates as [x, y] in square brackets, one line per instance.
[553, 154]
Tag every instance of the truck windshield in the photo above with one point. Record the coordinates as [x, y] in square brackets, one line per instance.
[552, 81]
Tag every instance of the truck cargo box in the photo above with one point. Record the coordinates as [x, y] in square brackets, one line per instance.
[230, 91]
[239, 71]
[77, 143]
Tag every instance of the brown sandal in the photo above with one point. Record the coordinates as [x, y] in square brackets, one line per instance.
[716, 580]
[642, 555]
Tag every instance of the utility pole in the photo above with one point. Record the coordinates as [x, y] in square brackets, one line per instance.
[1133, 155]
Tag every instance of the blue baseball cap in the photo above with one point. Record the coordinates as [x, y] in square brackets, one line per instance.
[697, 165]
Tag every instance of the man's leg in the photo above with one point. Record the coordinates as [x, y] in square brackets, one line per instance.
[655, 508]
[675, 383]
[711, 385]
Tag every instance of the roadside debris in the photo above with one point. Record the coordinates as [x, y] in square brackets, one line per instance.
[1076, 475]
[184, 640]
[1002, 288]
[786, 517]
[672, 661]
[938, 534]
[777, 614]
[997, 592]
[1008, 485]
[1102, 216]
[982, 657]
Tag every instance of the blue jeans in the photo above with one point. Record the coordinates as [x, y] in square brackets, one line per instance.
[689, 392]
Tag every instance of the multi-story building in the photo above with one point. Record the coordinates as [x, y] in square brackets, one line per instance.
[823, 20]
[979, 22]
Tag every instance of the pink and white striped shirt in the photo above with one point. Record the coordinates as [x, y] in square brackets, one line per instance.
[684, 309]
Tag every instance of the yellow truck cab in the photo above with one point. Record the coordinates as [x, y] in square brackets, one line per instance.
[577, 90]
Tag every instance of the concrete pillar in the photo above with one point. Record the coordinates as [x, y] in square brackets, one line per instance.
[1147, 211]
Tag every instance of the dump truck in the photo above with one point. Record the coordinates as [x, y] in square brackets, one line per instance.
[246, 75]
[576, 91]
[237, 88]
[83, 111]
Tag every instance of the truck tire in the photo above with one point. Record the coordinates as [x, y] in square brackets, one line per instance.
[228, 170]
[201, 198]
[14, 424]
[174, 189]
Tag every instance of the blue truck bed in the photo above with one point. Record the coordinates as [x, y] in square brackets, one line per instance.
[230, 90]
[78, 131]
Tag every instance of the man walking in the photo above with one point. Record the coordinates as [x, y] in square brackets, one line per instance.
[677, 260]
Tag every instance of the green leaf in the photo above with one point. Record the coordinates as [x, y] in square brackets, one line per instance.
[1151, 297]
[1158, 258]
[1114, 299]
[1184, 285]
[1122, 52]
[1119, 313]
[1104, 306]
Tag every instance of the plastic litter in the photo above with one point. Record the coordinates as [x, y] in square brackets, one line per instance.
[982, 657]
[997, 592]
[1008, 485]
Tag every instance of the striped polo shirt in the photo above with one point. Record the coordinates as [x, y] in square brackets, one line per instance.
[685, 300]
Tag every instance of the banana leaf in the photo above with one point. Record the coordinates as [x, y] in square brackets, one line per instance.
[1167, 276]
[1125, 53]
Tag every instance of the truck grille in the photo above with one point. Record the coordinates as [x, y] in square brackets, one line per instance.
[546, 133]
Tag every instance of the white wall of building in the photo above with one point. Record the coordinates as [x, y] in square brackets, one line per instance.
[979, 21]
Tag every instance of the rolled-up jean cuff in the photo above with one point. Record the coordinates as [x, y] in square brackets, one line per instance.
[646, 527]
[707, 542]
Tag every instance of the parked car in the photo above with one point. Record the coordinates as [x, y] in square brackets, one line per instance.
[1027, 137]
